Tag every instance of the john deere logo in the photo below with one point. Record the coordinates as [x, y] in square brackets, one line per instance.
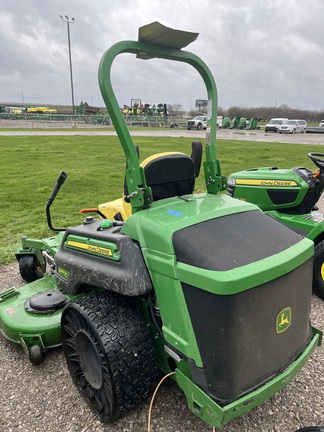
[64, 273]
[283, 320]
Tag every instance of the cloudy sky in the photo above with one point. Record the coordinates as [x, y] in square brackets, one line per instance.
[261, 53]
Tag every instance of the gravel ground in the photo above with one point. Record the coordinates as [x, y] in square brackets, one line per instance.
[44, 398]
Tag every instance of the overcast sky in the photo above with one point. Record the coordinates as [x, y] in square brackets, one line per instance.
[261, 53]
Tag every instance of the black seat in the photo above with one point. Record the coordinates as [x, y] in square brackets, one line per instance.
[169, 175]
[173, 174]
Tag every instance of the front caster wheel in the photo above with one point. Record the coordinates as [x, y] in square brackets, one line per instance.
[30, 268]
[109, 354]
[318, 272]
[36, 354]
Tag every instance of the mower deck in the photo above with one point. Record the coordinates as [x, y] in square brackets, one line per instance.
[31, 315]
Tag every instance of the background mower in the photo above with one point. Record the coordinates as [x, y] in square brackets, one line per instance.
[177, 285]
[290, 196]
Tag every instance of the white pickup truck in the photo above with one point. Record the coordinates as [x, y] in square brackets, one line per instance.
[200, 122]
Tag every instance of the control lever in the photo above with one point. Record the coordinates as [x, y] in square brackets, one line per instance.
[60, 180]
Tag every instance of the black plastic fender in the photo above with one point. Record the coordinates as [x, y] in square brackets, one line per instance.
[77, 265]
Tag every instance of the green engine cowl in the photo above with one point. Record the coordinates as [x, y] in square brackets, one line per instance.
[233, 289]
[292, 191]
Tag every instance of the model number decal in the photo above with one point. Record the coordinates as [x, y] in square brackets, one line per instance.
[64, 273]
[279, 183]
[90, 248]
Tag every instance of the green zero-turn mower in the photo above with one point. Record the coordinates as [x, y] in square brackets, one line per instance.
[290, 196]
[202, 285]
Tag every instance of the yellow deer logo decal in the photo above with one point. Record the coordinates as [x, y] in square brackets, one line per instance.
[283, 320]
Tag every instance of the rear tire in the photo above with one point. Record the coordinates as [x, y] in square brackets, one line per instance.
[109, 353]
[318, 270]
[30, 268]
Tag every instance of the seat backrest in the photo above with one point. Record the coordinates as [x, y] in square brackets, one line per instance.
[169, 174]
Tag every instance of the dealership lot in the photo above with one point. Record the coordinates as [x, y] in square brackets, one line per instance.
[43, 398]
[232, 134]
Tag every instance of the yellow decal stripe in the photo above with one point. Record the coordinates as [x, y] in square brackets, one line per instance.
[322, 271]
[156, 156]
[90, 248]
[265, 182]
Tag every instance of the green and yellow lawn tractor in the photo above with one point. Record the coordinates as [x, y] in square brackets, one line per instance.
[289, 196]
[226, 123]
[235, 123]
[175, 285]
[253, 124]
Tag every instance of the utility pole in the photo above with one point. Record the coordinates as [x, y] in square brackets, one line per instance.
[68, 22]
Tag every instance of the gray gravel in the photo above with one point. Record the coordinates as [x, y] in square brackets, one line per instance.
[44, 398]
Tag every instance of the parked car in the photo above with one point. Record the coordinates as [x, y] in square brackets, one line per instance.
[274, 124]
[293, 126]
[321, 124]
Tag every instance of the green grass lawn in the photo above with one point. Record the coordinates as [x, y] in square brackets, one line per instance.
[29, 166]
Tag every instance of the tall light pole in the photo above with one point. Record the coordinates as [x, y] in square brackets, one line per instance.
[68, 22]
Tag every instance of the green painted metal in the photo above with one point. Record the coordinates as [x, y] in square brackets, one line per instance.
[154, 229]
[252, 185]
[158, 248]
[242, 123]
[309, 223]
[139, 193]
[21, 327]
[253, 123]
[215, 415]
[252, 275]
[95, 247]
[35, 247]
[158, 34]
[235, 123]
[165, 217]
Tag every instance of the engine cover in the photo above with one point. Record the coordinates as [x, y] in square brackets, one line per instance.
[292, 191]
[96, 254]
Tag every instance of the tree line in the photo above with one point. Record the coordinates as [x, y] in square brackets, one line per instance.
[262, 113]
[266, 113]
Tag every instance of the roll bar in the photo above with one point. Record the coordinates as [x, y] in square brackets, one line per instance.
[139, 192]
